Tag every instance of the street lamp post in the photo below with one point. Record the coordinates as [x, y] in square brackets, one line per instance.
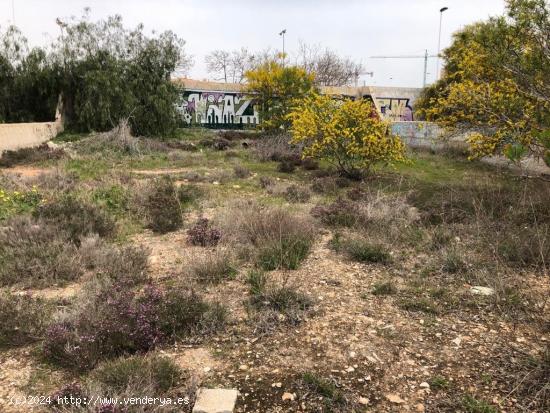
[282, 33]
[441, 11]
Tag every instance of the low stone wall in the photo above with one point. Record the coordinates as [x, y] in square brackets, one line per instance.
[24, 135]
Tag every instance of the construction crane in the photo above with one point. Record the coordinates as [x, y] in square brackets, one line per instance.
[426, 56]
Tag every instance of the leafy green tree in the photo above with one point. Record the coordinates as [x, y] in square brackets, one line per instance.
[110, 72]
[28, 80]
[496, 84]
[276, 89]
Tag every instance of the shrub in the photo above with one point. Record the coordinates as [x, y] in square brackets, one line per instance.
[275, 147]
[325, 185]
[340, 213]
[18, 202]
[241, 172]
[234, 135]
[22, 318]
[310, 164]
[152, 373]
[183, 313]
[115, 198]
[266, 181]
[212, 268]
[188, 194]
[77, 217]
[323, 387]
[126, 263]
[285, 253]
[347, 134]
[286, 166]
[280, 239]
[453, 262]
[36, 253]
[361, 249]
[113, 320]
[289, 303]
[295, 193]
[163, 206]
[202, 234]
[125, 378]
[525, 246]
[29, 155]
[384, 288]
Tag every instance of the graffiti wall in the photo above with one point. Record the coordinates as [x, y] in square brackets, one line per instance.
[396, 109]
[218, 109]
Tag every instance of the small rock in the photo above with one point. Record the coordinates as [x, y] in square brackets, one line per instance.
[215, 183]
[278, 385]
[206, 369]
[215, 400]
[243, 367]
[364, 401]
[419, 408]
[352, 354]
[289, 396]
[479, 290]
[457, 341]
[350, 369]
[424, 385]
[394, 398]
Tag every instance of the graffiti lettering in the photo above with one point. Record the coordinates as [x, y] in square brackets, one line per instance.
[395, 109]
[218, 108]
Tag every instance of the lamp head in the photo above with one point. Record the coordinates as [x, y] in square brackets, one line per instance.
[282, 32]
[443, 9]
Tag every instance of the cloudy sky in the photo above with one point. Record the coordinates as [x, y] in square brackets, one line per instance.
[355, 28]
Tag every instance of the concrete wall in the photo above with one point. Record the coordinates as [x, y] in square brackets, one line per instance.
[26, 135]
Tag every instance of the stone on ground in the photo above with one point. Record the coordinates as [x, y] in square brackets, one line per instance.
[215, 401]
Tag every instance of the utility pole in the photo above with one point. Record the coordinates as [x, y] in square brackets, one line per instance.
[441, 11]
[282, 33]
[425, 56]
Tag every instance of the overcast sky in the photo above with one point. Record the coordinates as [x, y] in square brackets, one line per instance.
[355, 28]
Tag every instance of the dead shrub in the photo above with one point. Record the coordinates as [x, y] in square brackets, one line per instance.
[118, 140]
[77, 217]
[241, 172]
[275, 148]
[36, 253]
[286, 166]
[280, 239]
[127, 263]
[295, 193]
[266, 182]
[24, 156]
[212, 268]
[325, 185]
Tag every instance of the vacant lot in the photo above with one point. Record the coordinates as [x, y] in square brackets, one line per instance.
[147, 268]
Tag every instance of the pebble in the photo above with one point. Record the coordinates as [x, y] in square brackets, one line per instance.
[364, 401]
[394, 398]
[424, 385]
[243, 367]
[289, 396]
